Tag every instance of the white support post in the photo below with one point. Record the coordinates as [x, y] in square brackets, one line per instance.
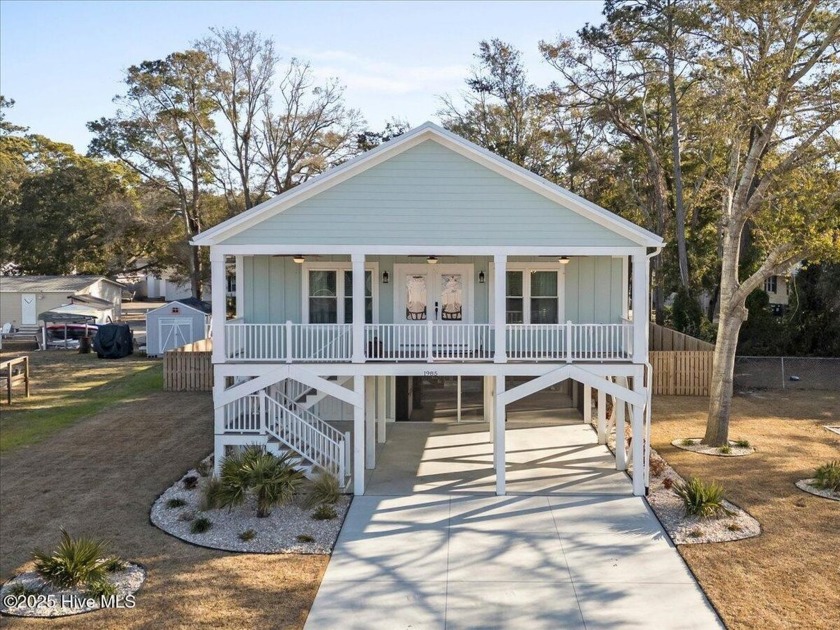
[499, 307]
[490, 406]
[358, 264]
[458, 403]
[602, 416]
[370, 422]
[638, 445]
[240, 286]
[219, 426]
[499, 442]
[380, 409]
[641, 308]
[587, 402]
[392, 398]
[359, 438]
[217, 296]
[620, 447]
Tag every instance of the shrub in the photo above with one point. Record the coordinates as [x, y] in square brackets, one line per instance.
[305, 538]
[190, 482]
[733, 527]
[687, 442]
[101, 588]
[657, 466]
[700, 498]
[827, 476]
[19, 589]
[742, 443]
[115, 564]
[201, 525]
[667, 483]
[725, 449]
[696, 532]
[324, 490]
[324, 513]
[187, 516]
[76, 562]
[212, 494]
[248, 534]
[175, 503]
[272, 480]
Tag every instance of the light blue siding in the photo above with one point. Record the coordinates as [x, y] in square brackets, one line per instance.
[272, 288]
[429, 195]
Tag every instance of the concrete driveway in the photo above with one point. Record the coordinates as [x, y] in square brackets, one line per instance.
[563, 556]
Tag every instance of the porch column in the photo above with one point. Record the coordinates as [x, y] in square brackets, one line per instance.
[499, 307]
[587, 401]
[602, 416]
[620, 448]
[499, 442]
[358, 264]
[638, 444]
[358, 438]
[392, 398]
[380, 408]
[641, 308]
[370, 422]
[219, 425]
[240, 286]
[217, 296]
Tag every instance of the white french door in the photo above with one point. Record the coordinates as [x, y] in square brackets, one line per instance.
[438, 293]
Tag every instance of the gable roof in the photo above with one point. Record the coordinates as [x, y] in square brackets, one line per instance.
[191, 303]
[49, 284]
[412, 138]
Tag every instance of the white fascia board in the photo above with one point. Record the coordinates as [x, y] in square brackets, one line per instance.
[421, 250]
[429, 131]
[373, 368]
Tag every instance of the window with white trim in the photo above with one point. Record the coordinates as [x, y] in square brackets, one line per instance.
[533, 296]
[771, 284]
[330, 296]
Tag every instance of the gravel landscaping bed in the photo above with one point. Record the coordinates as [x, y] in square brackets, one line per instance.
[697, 447]
[806, 485]
[41, 599]
[687, 530]
[288, 529]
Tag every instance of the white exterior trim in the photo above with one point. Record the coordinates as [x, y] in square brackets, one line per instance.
[422, 250]
[427, 131]
[526, 268]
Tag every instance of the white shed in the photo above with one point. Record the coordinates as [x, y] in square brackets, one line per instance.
[176, 324]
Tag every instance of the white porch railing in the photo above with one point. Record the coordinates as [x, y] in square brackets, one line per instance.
[243, 415]
[428, 341]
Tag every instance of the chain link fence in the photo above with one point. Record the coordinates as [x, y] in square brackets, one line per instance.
[787, 373]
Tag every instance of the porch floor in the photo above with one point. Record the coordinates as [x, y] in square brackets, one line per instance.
[429, 547]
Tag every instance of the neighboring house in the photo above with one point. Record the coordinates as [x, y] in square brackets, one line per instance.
[165, 287]
[24, 298]
[776, 288]
[176, 324]
[427, 256]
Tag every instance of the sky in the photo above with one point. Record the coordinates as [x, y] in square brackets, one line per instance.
[63, 62]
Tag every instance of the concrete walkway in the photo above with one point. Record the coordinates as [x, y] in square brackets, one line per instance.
[575, 550]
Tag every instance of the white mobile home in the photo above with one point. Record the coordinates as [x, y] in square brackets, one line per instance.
[427, 256]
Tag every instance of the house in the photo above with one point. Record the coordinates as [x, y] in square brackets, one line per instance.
[427, 256]
[176, 324]
[24, 298]
[776, 288]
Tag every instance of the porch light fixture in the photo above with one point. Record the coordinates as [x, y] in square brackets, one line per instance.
[432, 260]
[563, 260]
[298, 258]
[480, 277]
[385, 277]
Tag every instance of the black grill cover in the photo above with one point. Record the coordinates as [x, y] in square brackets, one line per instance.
[113, 341]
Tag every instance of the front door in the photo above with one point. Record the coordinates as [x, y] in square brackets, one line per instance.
[28, 308]
[440, 293]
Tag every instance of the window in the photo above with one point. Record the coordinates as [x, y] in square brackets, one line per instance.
[770, 285]
[533, 297]
[326, 286]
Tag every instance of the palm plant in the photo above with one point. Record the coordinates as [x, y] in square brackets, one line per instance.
[827, 476]
[272, 480]
[700, 498]
[75, 562]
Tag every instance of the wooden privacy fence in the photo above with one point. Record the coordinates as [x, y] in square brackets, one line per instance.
[662, 338]
[681, 373]
[189, 368]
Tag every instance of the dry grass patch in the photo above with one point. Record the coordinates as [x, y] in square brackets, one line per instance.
[786, 577]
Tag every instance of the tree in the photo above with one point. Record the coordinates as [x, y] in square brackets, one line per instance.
[160, 132]
[774, 79]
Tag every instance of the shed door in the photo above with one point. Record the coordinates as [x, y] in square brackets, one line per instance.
[28, 308]
[174, 332]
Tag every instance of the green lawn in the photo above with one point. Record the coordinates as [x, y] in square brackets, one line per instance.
[27, 422]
